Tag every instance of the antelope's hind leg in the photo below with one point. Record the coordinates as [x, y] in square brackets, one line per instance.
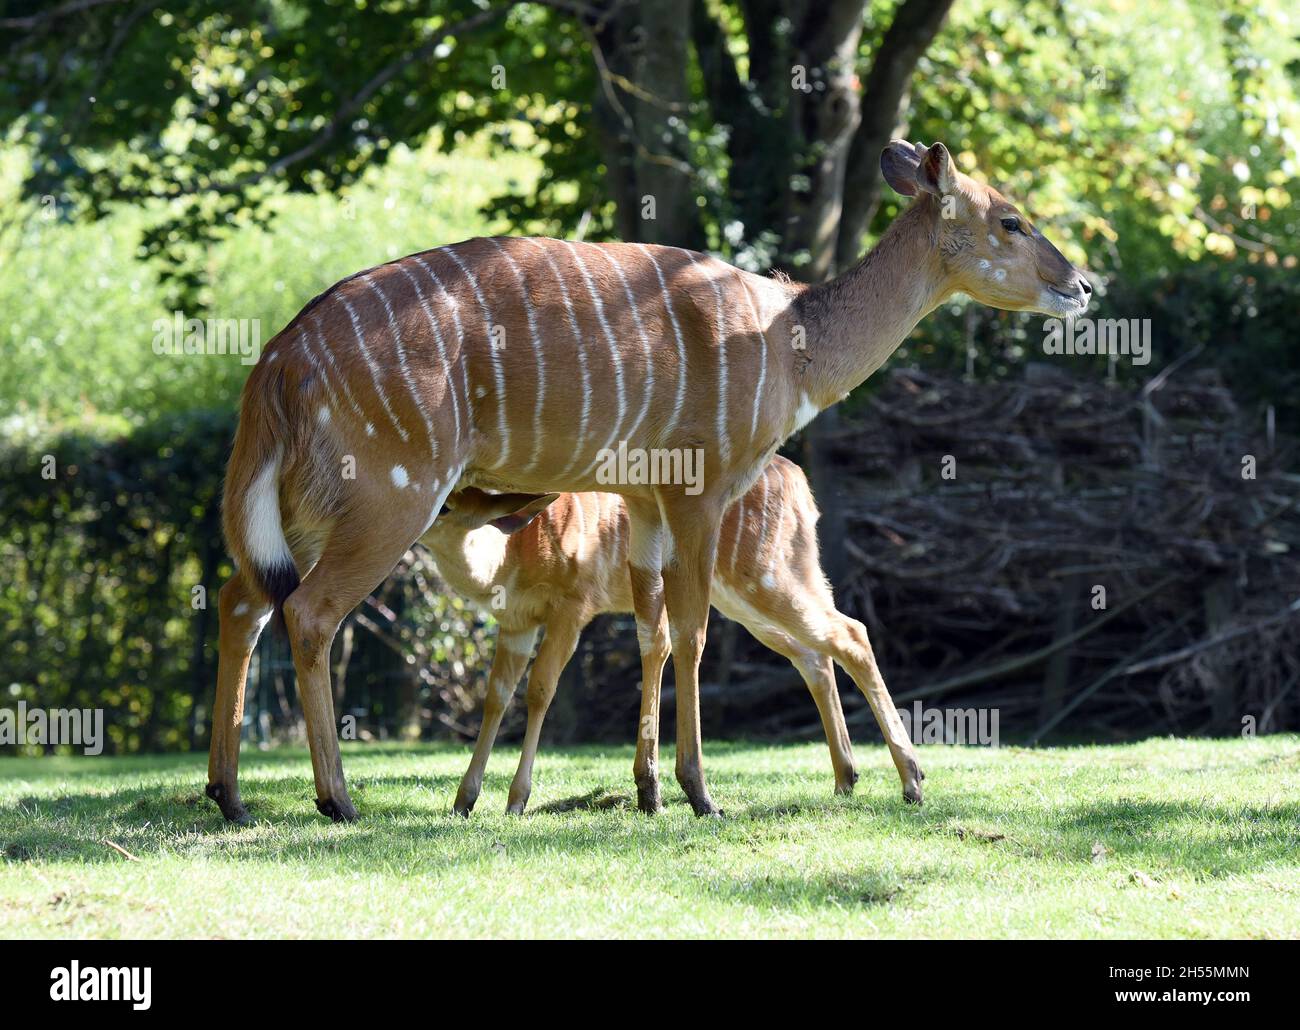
[242, 614]
[359, 553]
[558, 645]
[818, 672]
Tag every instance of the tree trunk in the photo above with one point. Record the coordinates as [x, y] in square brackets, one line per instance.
[660, 109]
[642, 119]
[884, 98]
[823, 118]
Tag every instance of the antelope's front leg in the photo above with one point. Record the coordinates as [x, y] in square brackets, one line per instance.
[693, 528]
[508, 664]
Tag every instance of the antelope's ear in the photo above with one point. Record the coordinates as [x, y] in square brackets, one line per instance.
[936, 173]
[517, 515]
[898, 164]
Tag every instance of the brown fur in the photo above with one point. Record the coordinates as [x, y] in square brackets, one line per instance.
[497, 364]
[571, 563]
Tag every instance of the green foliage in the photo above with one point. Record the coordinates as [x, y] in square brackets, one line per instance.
[112, 569]
[1166, 839]
[1137, 132]
[100, 563]
[80, 307]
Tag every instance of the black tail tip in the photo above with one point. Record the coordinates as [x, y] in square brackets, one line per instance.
[278, 582]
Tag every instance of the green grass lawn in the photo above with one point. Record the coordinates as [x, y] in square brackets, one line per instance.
[1168, 838]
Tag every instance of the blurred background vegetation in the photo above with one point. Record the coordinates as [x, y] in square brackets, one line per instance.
[233, 159]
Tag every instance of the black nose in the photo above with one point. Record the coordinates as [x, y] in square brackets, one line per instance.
[1085, 286]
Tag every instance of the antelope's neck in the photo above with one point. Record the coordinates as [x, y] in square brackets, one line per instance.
[856, 321]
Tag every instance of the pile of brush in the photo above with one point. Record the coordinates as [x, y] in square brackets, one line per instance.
[1087, 559]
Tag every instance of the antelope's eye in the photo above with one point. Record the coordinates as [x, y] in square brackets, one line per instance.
[1011, 224]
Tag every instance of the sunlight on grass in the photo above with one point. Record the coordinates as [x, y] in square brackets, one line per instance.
[1167, 838]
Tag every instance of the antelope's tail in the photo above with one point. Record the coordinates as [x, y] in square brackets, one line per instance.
[251, 513]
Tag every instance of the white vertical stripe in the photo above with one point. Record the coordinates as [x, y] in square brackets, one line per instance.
[763, 524]
[319, 370]
[604, 251]
[440, 497]
[537, 354]
[439, 342]
[582, 525]
[585, 414]
[450, 303]
[724, 444]
[374, 370]
[680, 400]
[343, 379]
[762, 367]
[498, 372]
[613, 354]
[739, 509]
[402, 366]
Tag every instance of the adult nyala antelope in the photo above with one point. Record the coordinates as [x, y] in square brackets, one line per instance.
[514, 365]
[567, 561]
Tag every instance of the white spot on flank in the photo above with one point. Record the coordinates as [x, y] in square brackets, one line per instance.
[240, 608]
[370, 429]
[984, 264]
[400, 478]
[480, 391]
[325, 373]
[1000, 274]
[768, 581]
[994, 240]
[323, 414]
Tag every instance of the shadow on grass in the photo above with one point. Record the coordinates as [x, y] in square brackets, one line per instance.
[865, 888]
[406, 820]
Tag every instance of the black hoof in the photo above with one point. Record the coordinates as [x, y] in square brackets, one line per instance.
[335, 811]
[233, 811]
[647, 798]
[463, 804]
